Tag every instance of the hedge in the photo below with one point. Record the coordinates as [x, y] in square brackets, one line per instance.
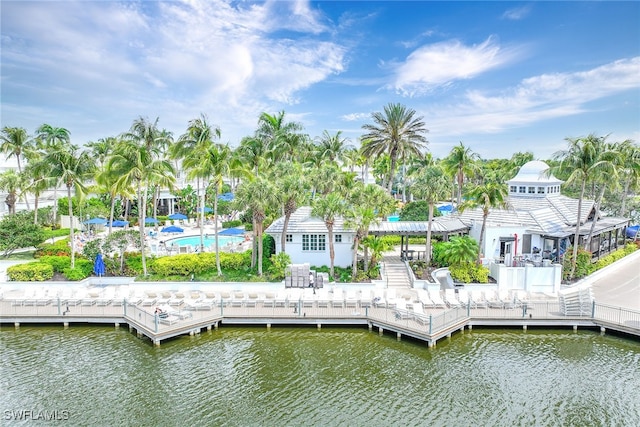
[30, 272]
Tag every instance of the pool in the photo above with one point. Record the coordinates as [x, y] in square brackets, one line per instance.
[208, 241]
[393, 218]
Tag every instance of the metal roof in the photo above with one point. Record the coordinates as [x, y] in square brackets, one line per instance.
[440, 225]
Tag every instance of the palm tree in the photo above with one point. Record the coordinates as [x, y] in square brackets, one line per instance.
[630, 170]
[460, 163]
[581, 160]
[253, 152]
[329, 208]
[137, 161]
[332, 147]
[39, 181]
[281, 138]
[491, 195]
[15, 142]
[367, 204]
[73, 168]
[50, 139]
[10, 182]
[292, 189]
[431, 185]
[396, 132]
[257, 196]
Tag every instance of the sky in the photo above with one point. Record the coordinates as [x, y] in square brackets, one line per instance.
[500, 77]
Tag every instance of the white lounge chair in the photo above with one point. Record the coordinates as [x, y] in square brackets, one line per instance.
[437, 300]
[451, 299]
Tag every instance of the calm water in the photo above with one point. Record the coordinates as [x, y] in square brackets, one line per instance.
[305, 377]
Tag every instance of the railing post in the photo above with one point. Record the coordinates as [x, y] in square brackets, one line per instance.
[593, 309]
[124, 306]
[430, 323]
[59, 309]
[221, 307]
[156, 322]
[468, 308]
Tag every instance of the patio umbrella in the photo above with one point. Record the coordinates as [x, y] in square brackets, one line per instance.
[177, 216]
[150, 221]
[232, 232]
[119, 223]
[98, 266]
[96, 221]
[172, 229]
[207, 209]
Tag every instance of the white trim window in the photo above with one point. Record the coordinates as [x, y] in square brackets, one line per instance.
[314, 242]
[337, 238]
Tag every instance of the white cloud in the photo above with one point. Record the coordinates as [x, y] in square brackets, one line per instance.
[355, 116]
[535, 99]
[172, 59]
[440, 64]
[517, 13]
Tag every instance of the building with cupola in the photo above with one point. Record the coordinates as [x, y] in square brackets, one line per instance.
[540, 223]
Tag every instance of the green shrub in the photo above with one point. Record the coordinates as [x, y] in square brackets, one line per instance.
[30, 272]
[74, 274]
[59, 263]
[469, 273]
[231, 224]
[59, 248]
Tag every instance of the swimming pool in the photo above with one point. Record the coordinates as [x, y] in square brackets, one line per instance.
[209, 241]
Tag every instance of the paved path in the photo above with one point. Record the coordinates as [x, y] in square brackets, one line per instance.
[618, 284]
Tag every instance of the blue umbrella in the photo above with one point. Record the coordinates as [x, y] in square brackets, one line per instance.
[177, 216]
[96, 221]
[150, 221]
[232, 232]
[172, 229]
[98, 265]
[226, 197]
[207, 209]
[119, 223]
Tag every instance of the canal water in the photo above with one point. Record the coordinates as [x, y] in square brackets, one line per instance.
[100, 376]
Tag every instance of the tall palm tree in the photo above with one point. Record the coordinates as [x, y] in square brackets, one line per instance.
[581, 160]
[629, 171]
[491, 195]
[367, 203]
[292, 188]
[253, 152]
[50, 139]
[257, 196]
[396, 132]
[332, 147]
[101, 149]
[329, 208]
[73, 168]
[39, 182]
[281, 138]
[138, 160]
[460, 163]
[431, 185]
[15, 142]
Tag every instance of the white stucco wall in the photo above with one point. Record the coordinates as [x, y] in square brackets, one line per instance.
[343, 251]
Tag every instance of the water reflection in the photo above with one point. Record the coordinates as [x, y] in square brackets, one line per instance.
[294, 376]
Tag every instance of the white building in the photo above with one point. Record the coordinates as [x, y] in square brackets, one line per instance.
[307, 239]
[540, 224]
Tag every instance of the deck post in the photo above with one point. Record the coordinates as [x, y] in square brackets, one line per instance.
[431, 343]
[65, 324]
[208, 328]
[370, 327]
[380, 330]
[117, 325]
[398, 336]
[156, 342]
[17, 325]
[524, 328]
[470, 327]
[130, 328]
[319, 326]
[269, 326]
[575, 328]
[215, 325]
[602, 330]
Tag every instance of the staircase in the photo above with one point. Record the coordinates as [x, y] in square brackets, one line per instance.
[397, 275]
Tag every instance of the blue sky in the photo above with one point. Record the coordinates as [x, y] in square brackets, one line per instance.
[501, 77]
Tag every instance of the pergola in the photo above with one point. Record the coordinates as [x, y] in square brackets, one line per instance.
[444, 226]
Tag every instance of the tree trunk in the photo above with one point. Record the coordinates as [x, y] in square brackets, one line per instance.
[71, 230]
[142, 208]
[623, 207]
[485, 215]
[283, 238]
[215, 229]
[576, 237]
[587, 245]
[427, 249]
[260, 248]
[111, 212]
[35, 211]
[332, 253]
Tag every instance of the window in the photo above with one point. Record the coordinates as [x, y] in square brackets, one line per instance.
[522, 189]
[338, 238]
[513, 189]
[313, 242]
[532, 190]
[288, 238]
[540, 190]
